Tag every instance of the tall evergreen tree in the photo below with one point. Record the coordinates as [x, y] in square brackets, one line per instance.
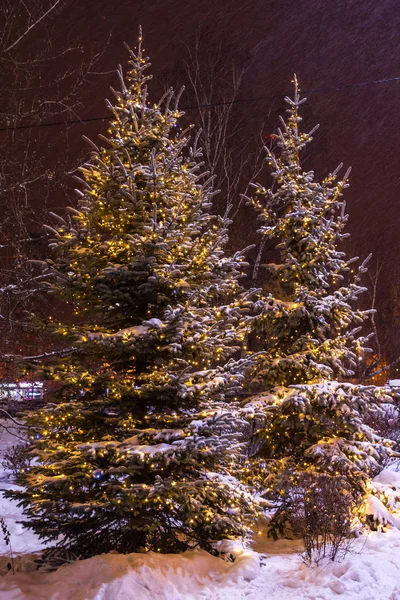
[305, 420]
[133, 452]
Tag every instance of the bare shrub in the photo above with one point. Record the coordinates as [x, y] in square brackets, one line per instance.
[317, 509]
[16, 459]
[7, 538]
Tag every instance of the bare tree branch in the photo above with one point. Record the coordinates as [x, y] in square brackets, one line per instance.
[32, 23]
[214, 85]
[44, 75]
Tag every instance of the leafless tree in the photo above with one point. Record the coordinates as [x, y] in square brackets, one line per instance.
[215, 77]
[379, 365]
[44, 77]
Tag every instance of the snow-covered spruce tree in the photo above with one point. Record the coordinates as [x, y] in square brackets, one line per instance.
[132, 453]
[314, 328]
[306, 421]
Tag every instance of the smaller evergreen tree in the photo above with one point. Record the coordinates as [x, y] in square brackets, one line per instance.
[306, 422]
[313, 329]
[318, 428]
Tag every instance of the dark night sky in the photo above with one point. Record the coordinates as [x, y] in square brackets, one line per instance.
[327, 44]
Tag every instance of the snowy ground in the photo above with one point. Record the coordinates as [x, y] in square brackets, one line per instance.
[372, 572]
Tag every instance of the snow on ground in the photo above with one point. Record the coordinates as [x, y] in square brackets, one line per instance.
[372, 575]
[22, 540]
[274, 571]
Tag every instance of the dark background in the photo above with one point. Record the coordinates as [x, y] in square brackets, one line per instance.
[331, 46]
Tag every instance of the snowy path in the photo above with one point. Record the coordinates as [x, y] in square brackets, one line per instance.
[373, 574]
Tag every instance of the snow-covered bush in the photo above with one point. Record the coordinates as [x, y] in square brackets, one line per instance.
[387, 424]
[319, 428]
[318, 510]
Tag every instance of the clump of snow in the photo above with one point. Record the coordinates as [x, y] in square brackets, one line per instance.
[155, 323]
[192, 575]
[387, 486]
[122, 333]
[388, 477]
[377, 510]
[149, 450]
[394, 383]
